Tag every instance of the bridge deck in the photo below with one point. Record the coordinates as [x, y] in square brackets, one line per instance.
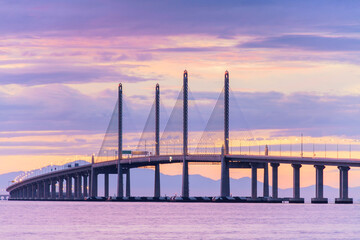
[168, 159]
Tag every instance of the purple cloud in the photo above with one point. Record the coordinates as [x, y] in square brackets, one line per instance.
[160, 17]
[67, 75]
[306, 42]
[188, 49]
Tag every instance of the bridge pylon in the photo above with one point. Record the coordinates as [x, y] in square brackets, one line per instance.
[185, 173]
[226, 112]
[157, 141]
[120, 185]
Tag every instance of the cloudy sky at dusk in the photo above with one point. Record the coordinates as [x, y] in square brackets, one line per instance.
[294, 68]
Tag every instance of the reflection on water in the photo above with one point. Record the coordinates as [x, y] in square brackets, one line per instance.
[115, 220]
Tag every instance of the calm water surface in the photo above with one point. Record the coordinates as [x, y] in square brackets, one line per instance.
[114, 220]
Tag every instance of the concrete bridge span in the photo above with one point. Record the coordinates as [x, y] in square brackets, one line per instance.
[81, 182]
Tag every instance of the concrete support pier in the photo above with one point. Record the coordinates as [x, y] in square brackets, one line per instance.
[46, 190]
[319, 190]
[33, 191]
[266, 180]
[53, 189]
[79, 193]
[185, 179]
[225, 176]
[94, 182]
[106, 185]
[253, 180]
[39, 191]
[275, 167]
[344, 186]
[157, 181]
[128, 190]
[30, 192]
[69, 194]
[85, 185]
[296, 185]
[61, 188]
[76, 186]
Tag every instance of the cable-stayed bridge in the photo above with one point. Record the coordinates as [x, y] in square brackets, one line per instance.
[177, 145]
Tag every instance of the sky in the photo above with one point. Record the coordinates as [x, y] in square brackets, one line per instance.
[294, 68]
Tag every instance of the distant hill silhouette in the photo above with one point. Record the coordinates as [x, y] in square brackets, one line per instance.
[142, 184]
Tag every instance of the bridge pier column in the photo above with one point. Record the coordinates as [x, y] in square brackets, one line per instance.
[296, 184]
[69, 194]
[128, 190]
[266, 180]
[33, 191]
[253, 180]
[344, 186]
[41, 190]
[29, 191]
[225, 176]
[76, 186]
[185, 178]
[67, 188]
[53, 189]
[79, 186]
[157, 181]
[94, 182]
[319, 189]
[38, 190]
[275, 167]
[341, 183]
[106, 183]
[85, 190]
[61, 188]
[46, 189]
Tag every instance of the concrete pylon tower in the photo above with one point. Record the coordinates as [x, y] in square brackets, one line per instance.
[225, 174]
[157, 140]
[185, 176]
[120, 186]
[226, 113]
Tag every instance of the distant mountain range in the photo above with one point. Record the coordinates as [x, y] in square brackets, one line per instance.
[142, 184]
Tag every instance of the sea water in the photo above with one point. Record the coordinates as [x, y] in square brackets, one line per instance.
[145, 220]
